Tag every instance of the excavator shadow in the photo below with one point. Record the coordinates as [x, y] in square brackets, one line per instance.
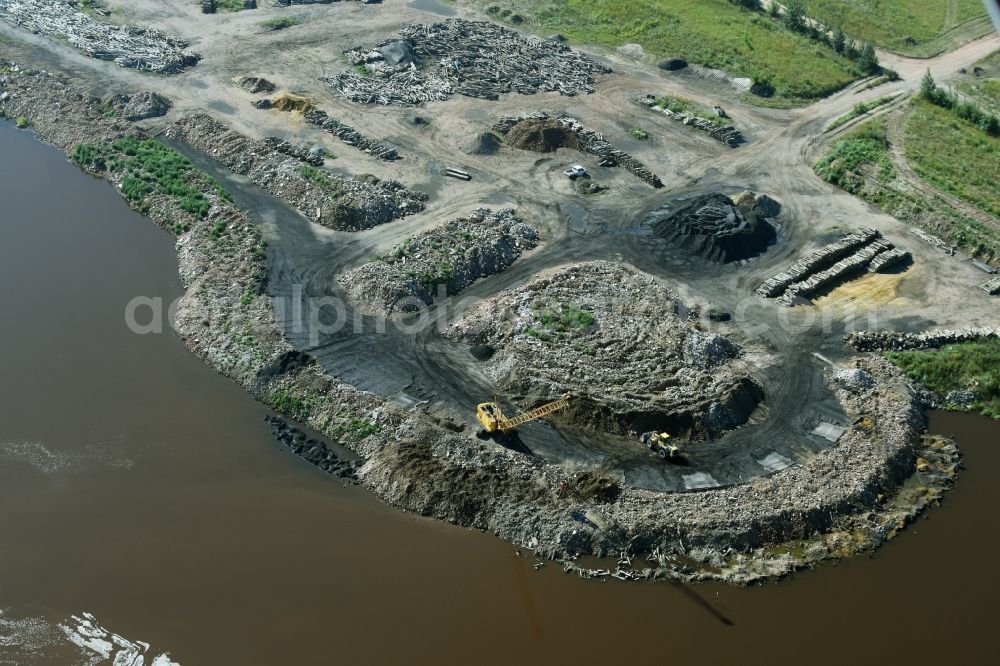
[509, 440]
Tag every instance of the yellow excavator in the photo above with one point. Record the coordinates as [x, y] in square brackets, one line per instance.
[493, 420]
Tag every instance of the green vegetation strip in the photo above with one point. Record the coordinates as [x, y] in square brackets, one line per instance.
[900, 25]
[955, 156]
[280, 23]
[859, 163]
[147, 167]
[679, 104]
[971, 366]
[860, 109]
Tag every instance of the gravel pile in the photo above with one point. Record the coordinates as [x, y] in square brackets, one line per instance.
[334, 201]
[445, 260]
[137, 48]
[880, 341]
[542, 133]
[255, 84]
[716, 228]
[621, 343]
[471, 58]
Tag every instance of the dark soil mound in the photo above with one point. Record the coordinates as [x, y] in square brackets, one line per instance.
[714, 227]
[255, 84]
[485, 143]
[542, 135]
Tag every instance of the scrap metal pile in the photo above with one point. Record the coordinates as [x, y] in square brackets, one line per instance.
[136, 48]
[727, 134]
[621, 343]
[448, 258]
[471, 58]
[832, 264]
[335, 201]
[351, 136]
[543, 133]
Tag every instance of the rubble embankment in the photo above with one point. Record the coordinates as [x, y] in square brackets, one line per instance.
[338, 202]
[882, 341]
[622, 344]
[717, 228]
[128, 46]
[542, 133]
[448, 258]
[471, 58]
[842, 500]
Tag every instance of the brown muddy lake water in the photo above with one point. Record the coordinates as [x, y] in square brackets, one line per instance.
[140, 486]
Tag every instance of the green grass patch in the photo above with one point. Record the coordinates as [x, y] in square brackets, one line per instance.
[860, 109]
[973, 366]
[716, 33]
[21, 122]
[954, 155]
[557, 323]
[322, 180]
[898, 25]
[639, 133]
[859, 163]
[679, 104]
[861, 154]
[280, 23]
[147, 167]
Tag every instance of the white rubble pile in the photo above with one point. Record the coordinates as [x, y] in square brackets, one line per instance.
[472, 58]
[136, 48]
[618, 342]
[448, 258]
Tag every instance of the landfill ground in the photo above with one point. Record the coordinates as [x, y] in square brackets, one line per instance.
[790, 351]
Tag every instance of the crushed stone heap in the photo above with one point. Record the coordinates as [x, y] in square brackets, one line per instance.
[717, 228]
[137, 48]
[450, 257]
[338, 202]
[471, 58]
[542, 133]
[620, 343]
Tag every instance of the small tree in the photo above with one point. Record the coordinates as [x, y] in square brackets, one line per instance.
[795, 15]
[839, 40]
[928, 88]
[867, 59]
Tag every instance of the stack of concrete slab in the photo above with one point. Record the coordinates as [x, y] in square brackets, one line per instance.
[351, 136]
[816, 261]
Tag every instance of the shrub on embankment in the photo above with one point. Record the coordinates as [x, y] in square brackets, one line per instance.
[965, 375]
[146, 166]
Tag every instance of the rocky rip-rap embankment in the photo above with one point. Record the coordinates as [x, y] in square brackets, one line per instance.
[843, 500]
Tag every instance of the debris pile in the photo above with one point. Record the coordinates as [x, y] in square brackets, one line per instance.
[621, 344]
[446, 259]
[289, 102]
[298, 152]
[254, 84]
[351, 136]
[880, 341]
[716, 228]
[334, 201]
[727, 134]
[136, 48]
[930, 239]
[540, 132]
[471, 58]
[831, 265]
[140, 106]
[991, 287]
